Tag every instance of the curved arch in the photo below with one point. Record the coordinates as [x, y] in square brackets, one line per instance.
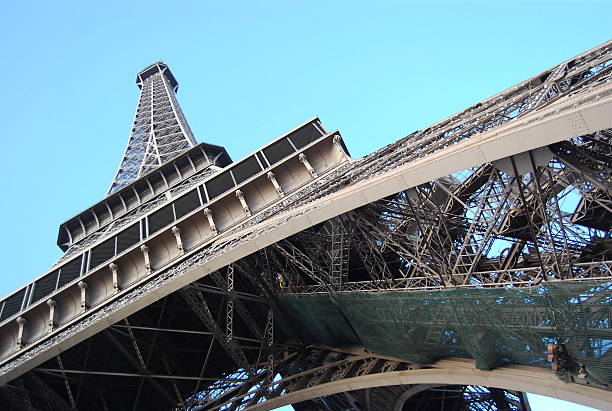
[511, 377]
[410, 392]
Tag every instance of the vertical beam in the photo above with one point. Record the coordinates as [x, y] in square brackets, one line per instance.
[245, 206]
[115, 273]
[229, 318]
[304, 160]
[21, 324]
[269, 336]
[147, 258]
[84, 301]
[52, 304]
[277, 186]
[211, 222]
[176, 230]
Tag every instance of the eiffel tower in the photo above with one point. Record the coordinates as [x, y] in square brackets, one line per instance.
[456, 268]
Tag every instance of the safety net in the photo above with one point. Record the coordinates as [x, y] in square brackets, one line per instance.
[494, 326]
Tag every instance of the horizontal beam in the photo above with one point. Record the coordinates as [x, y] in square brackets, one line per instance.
[129, 374]
[178, 331]
[237, 294]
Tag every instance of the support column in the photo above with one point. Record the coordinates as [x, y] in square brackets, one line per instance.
[21, 323]
[115, 271]
[269, 336]
[245, 206]
[84, 303]
[229, 332]
[336, 140]
[304, 160]
[52, 304]
[176, 230]
[337, 146]
[211, 222]
[277, 186]
[145, 252]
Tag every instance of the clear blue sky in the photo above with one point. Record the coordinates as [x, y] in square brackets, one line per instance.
[248, 72]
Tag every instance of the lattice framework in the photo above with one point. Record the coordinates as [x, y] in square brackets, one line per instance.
[160, 131]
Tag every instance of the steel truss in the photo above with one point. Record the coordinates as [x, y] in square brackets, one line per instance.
[242, 341]
[160, 131]
[311, 367]
[491, 225]
[540, 216]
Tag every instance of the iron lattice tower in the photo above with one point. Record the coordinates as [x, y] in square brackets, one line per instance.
[458, 267]
[160, 131]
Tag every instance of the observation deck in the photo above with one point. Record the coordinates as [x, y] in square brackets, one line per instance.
[157, 67]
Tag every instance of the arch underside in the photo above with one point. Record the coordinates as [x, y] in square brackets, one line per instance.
[451, 372]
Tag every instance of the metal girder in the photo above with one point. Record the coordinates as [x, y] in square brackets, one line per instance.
[236, 304]
[160, 131]
[338, 253]
[493, 225]
[138, 365]
[196, 301]
[319, 367]
[31, 389]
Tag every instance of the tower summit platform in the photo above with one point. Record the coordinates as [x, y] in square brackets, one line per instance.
[156, 68]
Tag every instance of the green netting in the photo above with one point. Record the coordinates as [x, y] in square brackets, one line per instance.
[491, 325]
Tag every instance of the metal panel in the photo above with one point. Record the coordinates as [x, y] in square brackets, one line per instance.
[246, 169]
[102, 252]
[186, 203]
[128, 238]
[70, 271]
[305, 135]
[45, 286]
[160, 219]
[12, 305]
[277, 151]
[219, 184]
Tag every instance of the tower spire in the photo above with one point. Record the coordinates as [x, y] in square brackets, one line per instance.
[160, 131]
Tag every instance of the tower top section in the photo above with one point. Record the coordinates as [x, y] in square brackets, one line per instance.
[160, 131]
[157, 68]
